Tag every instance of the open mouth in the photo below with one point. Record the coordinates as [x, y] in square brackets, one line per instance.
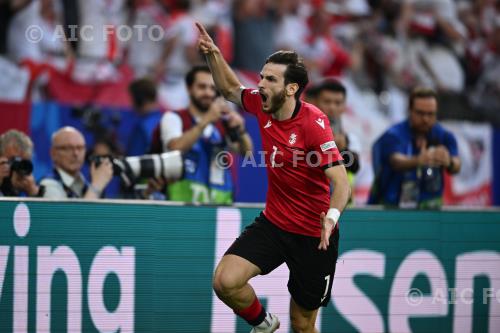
[263, 96]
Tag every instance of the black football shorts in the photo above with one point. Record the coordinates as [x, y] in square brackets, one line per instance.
[311, 270]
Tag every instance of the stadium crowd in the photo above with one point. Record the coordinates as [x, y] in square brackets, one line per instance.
[379, 48]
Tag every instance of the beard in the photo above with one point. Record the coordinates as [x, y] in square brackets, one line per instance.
[277, 101]
[202, 104]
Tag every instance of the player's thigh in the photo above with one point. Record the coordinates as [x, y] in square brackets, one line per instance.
[234, 272]
[260, 243]
[302, 320]
[256, 251]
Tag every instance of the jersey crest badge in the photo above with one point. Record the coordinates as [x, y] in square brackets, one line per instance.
[293, 138]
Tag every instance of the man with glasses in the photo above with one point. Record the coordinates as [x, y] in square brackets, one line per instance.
[66, 180]
[409, 159]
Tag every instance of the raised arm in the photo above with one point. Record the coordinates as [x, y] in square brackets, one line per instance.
[224, 77]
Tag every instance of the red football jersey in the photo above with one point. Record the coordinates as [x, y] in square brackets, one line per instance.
[296, 152]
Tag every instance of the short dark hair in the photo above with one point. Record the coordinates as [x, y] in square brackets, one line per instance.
[295, 72]
[191, 75]
[421, 92]
[142, 91]
[311, 91]
[331, 85]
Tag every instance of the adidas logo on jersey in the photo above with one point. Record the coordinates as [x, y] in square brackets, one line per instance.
[269, 123]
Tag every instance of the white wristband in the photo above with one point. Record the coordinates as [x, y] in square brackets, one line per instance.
[333, 214]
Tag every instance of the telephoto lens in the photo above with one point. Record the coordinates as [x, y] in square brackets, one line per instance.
[168, 165]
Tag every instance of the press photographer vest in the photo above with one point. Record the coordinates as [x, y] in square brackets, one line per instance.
[203, 181]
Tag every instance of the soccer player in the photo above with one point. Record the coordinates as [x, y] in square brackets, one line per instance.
[299, 224]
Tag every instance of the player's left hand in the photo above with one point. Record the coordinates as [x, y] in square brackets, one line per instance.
[205, 42]
[327, 226]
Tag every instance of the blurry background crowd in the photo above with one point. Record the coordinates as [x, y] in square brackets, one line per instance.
[64, 61]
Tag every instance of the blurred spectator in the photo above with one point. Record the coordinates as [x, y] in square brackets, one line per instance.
[475, 45]
[143, 95]
[409, 159]
[36, 34]
[215, 15]
[414, 43]
[8, 9]
[323, 54]
[291, 30]
[435, 31]
[36, 41]
[66, 180]
[330, 97]
[254, 24]
[102, 34]
[16, 152]
[146, 46]
[202, 131]
[485, 97]
[179, 54]
[103, 29]
[106, 147]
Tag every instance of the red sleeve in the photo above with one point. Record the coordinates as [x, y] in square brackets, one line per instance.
[322, 143]
[251, 101]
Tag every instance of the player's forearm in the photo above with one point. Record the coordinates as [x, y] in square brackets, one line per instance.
[225, 79]
[340, 196]
[341, 187]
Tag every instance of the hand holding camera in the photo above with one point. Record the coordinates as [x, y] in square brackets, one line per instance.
[101, 172]
[215, 111]
[4, 169]
[234, 123]
[21, 176]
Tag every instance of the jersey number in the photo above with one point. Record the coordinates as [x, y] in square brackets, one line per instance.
[327, 278]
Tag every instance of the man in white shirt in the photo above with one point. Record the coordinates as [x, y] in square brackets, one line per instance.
[66, 181]
[204, 132]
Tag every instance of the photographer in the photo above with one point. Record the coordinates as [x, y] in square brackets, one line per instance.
[16, 178]
[410, 158]
[66, 180]
[202, 132]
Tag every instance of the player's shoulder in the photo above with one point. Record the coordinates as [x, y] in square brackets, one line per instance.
[314, 117]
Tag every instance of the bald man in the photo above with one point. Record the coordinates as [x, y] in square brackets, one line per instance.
[66, 180]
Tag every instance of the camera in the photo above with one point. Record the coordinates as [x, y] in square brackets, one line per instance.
[21, 166]
[168, 165]
[232, 132]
